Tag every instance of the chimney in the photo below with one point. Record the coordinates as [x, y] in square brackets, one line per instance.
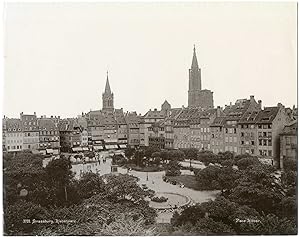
[34, 113]
[51, 116]
[259, 104]
[155, 109]
[218, 111]
[230, 104]
[251, 97]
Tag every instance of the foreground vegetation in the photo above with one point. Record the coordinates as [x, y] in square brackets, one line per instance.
[49, 201]
[254, 199]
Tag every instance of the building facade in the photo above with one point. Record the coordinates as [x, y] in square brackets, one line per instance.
[289, 143]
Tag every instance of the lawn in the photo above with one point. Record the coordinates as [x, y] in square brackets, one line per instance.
[189, 181]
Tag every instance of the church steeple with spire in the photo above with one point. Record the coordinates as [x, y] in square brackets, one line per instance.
[194, 81]
[107, 97]
[198, 97]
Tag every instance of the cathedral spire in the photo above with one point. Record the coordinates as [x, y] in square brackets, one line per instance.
[194, 62]
[107, 86]
[107, 97]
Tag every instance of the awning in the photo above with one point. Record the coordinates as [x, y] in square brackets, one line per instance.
[111, 146]
[123, 146]
[49, 151]
[76, 149]
[98, 147]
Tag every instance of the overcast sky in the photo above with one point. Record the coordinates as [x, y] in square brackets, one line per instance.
[57, 55]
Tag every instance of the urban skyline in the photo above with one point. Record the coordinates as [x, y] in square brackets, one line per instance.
[166, 78]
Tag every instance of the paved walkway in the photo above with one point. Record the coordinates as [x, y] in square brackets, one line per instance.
[154, 182]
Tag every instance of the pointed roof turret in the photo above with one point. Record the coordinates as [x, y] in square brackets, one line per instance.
[107, 86]
[195, 62]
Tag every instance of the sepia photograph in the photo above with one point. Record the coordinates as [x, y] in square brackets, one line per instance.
[150, 118]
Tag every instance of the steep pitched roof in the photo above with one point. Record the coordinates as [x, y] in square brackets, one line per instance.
[47, 124]
[290, 129]
[194, 61]
[107, 86]
[267, 115]
[13, 124]
[154, 114]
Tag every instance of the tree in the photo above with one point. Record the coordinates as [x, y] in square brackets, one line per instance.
[207, 157]
[129, 152]
[191, 153]
[138, 157]
[89, 185]
[124, 186]
[173, 168]
[225, 156]
[270, 225]
[208, 178]
[176, 155]
[226, 178]
[21, 171]
[59, 179]
[257, 188]
[150, 150]
[246, 162]
[14, 216]
[290, 165]
[125, 226]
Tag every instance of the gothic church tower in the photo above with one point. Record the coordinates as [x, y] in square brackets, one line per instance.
[196, 96]
[107, 98]
[194, 81]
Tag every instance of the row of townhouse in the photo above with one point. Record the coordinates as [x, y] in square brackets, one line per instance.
[242, 128]
[31, 133]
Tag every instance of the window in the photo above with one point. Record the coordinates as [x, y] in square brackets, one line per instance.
[270, 142]
[234, 130]
[230, 139]
[242, 142]
[270, 152]
[252, 142]
[288, 140]
[226, 130]
[242, 134]
[259, 126]
[265, 142]
[260, 142]
[226, 139]
[265, 134]
[252, 151]
[269, 126]
[234, 139]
